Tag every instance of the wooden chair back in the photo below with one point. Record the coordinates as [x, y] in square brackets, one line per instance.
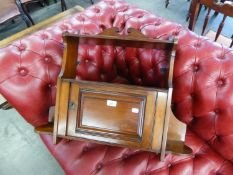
[224, 7]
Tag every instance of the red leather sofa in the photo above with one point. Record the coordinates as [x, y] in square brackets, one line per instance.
[203, 90]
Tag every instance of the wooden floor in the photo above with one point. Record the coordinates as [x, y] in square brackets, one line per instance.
[222, 39]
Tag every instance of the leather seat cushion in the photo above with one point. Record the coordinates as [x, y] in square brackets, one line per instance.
[202, 97]
[86, 158]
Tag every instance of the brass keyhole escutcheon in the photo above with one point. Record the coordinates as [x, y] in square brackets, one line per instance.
[72, 105]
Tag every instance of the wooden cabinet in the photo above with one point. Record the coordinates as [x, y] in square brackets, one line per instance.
[113, 113]
[116, 114]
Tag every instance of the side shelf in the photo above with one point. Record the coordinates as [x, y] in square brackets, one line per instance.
[45, 129]
[48, 128]
[177, 147]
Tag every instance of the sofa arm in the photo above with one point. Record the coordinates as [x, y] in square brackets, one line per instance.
[11, 50]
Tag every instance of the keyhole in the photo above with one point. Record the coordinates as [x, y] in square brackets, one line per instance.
[71, 105]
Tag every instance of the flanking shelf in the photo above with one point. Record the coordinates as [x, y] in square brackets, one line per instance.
[45, 129]
[175, 147]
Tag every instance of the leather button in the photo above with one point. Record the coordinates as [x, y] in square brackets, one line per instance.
[97, 10]
[112, 20]
[44, 36]
[47, 59]
[193, 120]
[175, 33]
[146, 173]
[104, 50]
[64, 27]
[22, 47]
[102, 26]
[192, 95]
[137, 61]
[196, 67]
[217, 137]
[125, 156]
[23, 71]
[86, 60]
[216, 111]
[150, 71]
[125, 9]
[85, 149]
[221, 57]
[197, 44]
[140, 16]
[139, 80]
[112, 3]
[99, 166]
[157, 23]
[102, 76]
[220, 82]
[80, 18]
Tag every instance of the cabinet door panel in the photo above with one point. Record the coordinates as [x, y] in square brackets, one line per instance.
[113, 113]
[115, 116]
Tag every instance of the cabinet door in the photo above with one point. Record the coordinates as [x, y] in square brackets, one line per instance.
[119, 116]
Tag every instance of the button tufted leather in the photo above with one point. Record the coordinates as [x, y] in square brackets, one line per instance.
[23, 71]
[202, 98]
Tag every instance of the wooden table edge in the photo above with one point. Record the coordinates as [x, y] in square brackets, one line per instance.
[2, 99]
[40, 25]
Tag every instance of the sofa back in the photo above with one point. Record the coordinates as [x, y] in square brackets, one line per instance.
[203, 74]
